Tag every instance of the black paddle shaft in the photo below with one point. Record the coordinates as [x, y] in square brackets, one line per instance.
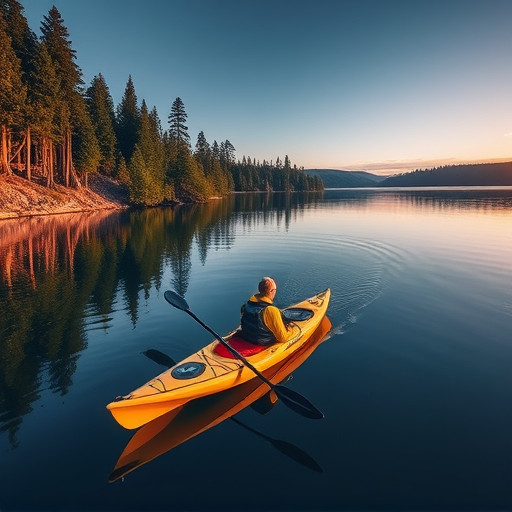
[290, 398]
[231, 349]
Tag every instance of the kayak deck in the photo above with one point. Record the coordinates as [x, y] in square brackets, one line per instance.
[206, 372]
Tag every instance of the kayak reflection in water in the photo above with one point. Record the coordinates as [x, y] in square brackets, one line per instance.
[262, 323]
[197, 416]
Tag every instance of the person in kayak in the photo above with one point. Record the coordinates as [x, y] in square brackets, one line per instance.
[262, 323]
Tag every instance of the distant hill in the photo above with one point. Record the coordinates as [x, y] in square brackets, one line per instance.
[333, 178]
[454, 175]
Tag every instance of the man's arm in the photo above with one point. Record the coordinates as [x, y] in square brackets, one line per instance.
[274, 321]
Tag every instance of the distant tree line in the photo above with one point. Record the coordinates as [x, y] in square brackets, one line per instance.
[454, 175]
[251, 175]
[56, 130]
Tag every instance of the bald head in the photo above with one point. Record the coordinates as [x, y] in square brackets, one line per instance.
[267, 287]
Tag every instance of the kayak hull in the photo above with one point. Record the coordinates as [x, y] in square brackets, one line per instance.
[206, 372]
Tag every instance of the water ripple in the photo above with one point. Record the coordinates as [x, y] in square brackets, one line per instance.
[363, 269]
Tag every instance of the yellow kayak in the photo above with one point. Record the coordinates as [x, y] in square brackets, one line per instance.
[213, 368]
[197, 416]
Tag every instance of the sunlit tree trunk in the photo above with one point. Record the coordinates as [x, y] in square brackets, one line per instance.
[47, 154]
[44, 159]
[17, 155]
[28, 145]
[68, 156]
[65, 158]
[63, 150]
[53, 162]
[6, 168]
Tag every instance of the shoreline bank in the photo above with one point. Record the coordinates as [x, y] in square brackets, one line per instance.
[20, 198]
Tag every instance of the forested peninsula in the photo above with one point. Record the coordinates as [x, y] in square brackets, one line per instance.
[58, 135]
[460, 175]
[490, 174]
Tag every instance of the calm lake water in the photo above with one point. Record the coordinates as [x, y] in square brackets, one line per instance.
[414, 378]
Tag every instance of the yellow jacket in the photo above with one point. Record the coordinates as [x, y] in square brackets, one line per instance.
[274, 321]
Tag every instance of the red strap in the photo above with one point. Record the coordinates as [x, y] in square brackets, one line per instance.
[243, 347]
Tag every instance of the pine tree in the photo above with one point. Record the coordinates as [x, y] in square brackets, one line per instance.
[144, 190]
[219, 179]
[151, 148]
[185, 174]
[86, 149]
[202, 146]
[123, 174]
[159, 159]
[45, 100]
[128, 121]
[176, 158]
[192, 185]
[230, 152]
[177, 119]
[203, 154]
[138, 177]
[146, 142]
[215, 151]
[101, 110]
[56, 37]
[24, 44]
[12, 94]
[23, 40]
[227, 154]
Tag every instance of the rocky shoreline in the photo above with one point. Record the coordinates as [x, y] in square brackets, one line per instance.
[21, 198]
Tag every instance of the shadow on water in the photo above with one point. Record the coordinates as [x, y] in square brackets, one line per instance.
[178, 426]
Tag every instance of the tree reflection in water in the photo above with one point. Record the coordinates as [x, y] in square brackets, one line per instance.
[57, 271]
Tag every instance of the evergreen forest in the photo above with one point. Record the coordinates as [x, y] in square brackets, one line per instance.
[490, 174]
[55, 129]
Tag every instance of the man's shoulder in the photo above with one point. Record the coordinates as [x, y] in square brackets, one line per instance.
[273, 310]
[261, 299]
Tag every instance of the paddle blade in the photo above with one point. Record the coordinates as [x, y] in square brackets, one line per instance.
[176, 300]
[298, 403]
[160, 358]
[295, 453]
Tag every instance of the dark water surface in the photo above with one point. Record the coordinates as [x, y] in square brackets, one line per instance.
[415, 378]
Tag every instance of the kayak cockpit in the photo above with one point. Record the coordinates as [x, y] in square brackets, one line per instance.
[246, 348]
[243, 347]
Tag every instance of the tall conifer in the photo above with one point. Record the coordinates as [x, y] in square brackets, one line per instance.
[56, 37]
[203, 153]
[45, 103]
[150, 147]
[23, 39]
[12, 94]
[24, 44]
[101, 109]
[158, 142]
[144, 190]
[86, 150]
[177, 120]
[128, 121]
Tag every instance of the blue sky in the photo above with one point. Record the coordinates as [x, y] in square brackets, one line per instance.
[383, 86]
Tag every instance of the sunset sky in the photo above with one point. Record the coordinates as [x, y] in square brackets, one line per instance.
[383, 86]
